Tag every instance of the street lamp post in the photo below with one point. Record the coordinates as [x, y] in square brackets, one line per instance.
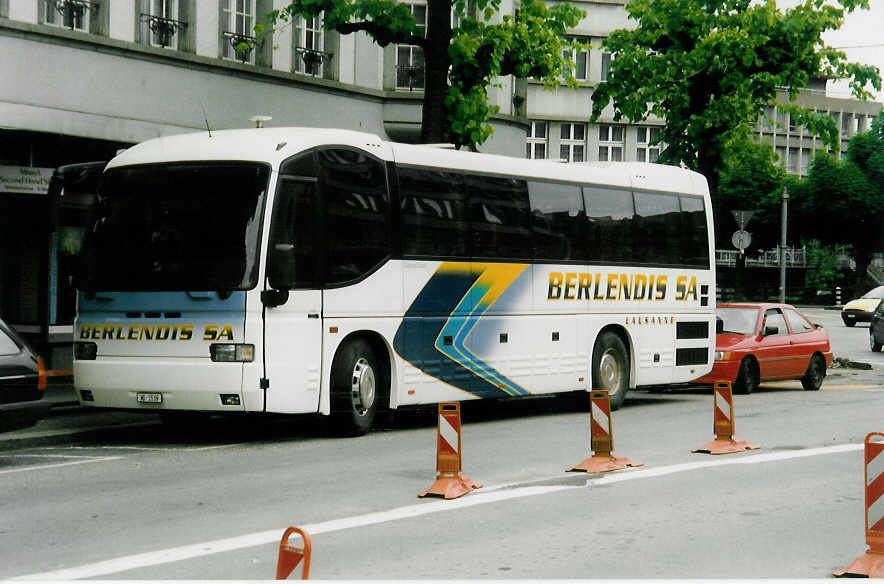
[782, 258]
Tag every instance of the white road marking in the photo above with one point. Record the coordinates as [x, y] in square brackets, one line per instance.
[490, 495]
[60, 464]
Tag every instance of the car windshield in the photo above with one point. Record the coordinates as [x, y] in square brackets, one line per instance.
[875, 293]
[176, 226]
[737, 321]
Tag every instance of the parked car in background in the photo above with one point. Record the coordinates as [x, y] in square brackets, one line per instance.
[22, 382]
[876, 328]
[861, 309]
[767, 342]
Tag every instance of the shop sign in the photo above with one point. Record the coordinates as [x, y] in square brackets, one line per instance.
[25, 179]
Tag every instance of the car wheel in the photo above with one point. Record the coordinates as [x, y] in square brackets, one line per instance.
[874, 346]
[610, 367]
[747, 378]
[355, 382]
[815, 374]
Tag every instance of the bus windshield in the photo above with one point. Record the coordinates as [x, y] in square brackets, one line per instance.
[176, 226]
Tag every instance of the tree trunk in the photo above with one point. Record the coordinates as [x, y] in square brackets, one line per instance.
[436, 63]
[863, 258]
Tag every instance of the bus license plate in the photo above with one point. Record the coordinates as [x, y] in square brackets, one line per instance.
[149, 398]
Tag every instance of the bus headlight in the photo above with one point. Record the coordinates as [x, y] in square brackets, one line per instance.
[232, 352]
[85, 351]
[723, 355]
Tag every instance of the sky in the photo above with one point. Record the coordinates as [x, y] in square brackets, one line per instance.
[861, 37]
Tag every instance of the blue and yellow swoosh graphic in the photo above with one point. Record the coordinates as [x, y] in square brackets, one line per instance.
[441, 319]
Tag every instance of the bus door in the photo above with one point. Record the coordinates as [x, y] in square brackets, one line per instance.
[292, 295]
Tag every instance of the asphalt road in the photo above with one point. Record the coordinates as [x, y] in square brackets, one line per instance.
[136, 502]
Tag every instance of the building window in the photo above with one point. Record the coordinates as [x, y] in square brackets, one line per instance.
[72, 14]
[606, 65]
[410, 58]
[237, 22]
[610, 143]
[309, 51]
[573, 143]
[537, 140]
[579, 58]
[646, 150]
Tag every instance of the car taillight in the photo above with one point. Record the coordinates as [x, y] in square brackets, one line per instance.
[41, 374]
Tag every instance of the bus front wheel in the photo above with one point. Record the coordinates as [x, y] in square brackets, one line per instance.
[610, 367]
[354, 388]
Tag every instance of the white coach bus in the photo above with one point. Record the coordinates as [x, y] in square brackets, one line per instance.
[296, 270]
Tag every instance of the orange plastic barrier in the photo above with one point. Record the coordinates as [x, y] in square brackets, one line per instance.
[602, 438]
[723, 424]
[871, 565]
[290, 556]
[449, 484]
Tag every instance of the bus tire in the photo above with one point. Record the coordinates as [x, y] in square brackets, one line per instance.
[610, 367]
[355, 376]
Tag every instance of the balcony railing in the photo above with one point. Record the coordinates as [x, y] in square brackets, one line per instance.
[312, 59]
[242, 45]
[794, 257]
[163, 28]
[72, 11]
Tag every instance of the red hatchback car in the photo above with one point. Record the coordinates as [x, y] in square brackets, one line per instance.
[767, 342]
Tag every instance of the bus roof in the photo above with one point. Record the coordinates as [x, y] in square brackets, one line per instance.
[274, 145]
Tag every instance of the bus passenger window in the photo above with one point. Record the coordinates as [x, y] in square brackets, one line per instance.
[694, 234]
[354, 188]
[657, 228]
[500, 220]
[433, 213]
[610, 214]
[557, 214]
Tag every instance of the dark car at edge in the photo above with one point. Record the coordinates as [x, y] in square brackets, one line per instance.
[22, 382]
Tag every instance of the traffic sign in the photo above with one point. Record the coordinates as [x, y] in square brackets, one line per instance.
[741, 239]
[742, 218]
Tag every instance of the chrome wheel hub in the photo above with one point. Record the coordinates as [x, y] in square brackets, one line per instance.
[363, 386]
[610, 372]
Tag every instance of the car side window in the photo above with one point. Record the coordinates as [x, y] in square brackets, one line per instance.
[773, 319]
[7, 345]
[797, 322]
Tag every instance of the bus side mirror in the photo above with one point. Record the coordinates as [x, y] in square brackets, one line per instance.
[272, 297]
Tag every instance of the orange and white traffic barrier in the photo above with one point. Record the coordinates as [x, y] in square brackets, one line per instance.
[290, 555]
[602, 437]
[723, 424]
[450, 484]
[871, 565]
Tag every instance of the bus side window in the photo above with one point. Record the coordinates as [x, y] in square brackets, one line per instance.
[695, 238]
[354, 189]
[557, 213]
[292, 258]
[657, 226]
[433, 213]
[610, 216]
[500, 218]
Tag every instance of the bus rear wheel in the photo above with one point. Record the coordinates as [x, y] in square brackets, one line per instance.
[355, 378]
[610, 367]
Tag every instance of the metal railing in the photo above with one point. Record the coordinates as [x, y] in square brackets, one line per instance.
[794, 257]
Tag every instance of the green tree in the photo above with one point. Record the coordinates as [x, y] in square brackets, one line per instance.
[840, 204]
[708, 67]
[751, 180]
[460, 61]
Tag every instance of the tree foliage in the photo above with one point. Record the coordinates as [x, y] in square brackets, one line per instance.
[843, 201]
[708, 67]
[461, 61]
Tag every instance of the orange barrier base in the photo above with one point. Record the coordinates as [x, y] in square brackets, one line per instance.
[451, 485]
[725, 446]
[871, 565]
[604, 463]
